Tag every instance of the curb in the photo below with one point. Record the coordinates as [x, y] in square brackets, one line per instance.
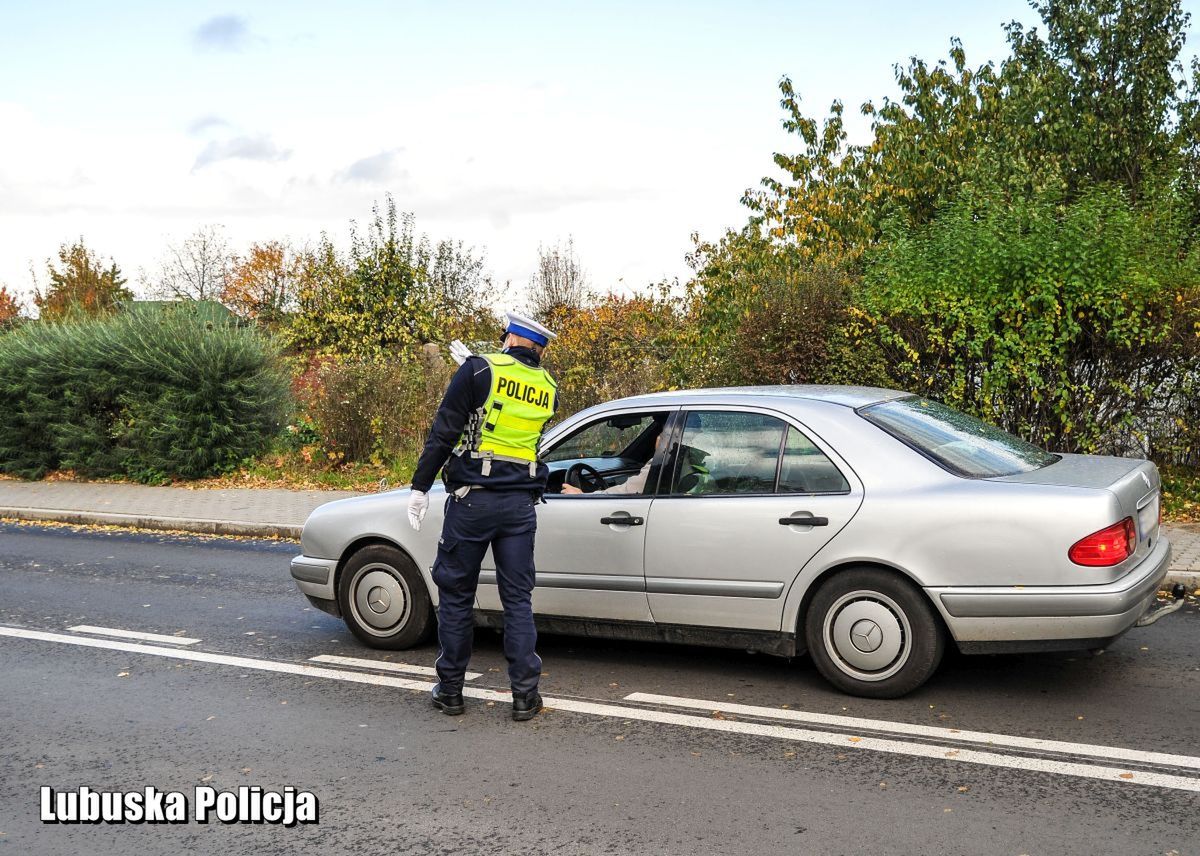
[140, 521]
[1189, 578]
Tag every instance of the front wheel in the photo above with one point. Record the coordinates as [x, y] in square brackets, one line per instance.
[384, 600]
[872, 633]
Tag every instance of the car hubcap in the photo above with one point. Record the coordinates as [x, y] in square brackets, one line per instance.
[867, 635]
[380, 599]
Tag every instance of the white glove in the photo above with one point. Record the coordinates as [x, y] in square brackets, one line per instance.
[460, 352]
[418, 504]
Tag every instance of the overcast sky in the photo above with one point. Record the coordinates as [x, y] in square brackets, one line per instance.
[505, 125]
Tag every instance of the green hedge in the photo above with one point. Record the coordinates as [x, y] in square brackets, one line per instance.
[1072, 324]
[149, 394]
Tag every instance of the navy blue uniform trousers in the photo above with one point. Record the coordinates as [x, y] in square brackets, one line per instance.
[506, 521]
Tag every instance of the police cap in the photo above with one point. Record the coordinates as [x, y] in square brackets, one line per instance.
[520, 325]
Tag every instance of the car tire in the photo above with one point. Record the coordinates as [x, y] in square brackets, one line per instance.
[383, 599]
[872, 633]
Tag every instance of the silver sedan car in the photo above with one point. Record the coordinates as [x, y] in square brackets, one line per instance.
[868, 527]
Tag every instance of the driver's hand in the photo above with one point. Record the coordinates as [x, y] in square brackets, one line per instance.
[569, 488]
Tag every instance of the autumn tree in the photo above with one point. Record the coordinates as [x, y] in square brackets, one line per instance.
[759, 312]
[194, 269]
[613, 347]
[262, 285]
[10, 308]
[80, 284]
[1100, 97]
[392, 290]
[559, 280]
[1017, 238]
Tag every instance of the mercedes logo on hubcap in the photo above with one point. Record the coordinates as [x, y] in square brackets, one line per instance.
[866, 635]
[378, 599]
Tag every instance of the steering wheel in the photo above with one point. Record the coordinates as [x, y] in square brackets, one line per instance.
[585, 477]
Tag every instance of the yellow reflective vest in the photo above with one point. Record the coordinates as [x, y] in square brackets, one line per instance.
[509, 425]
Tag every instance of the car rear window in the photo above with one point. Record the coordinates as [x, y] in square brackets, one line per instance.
[960, 443]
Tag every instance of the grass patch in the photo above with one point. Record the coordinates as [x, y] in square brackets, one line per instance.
[297, 470]
[283, 470]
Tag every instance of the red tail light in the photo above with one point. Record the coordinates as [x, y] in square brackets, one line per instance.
[1110, 546]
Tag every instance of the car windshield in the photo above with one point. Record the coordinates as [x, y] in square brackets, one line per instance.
[960, 443]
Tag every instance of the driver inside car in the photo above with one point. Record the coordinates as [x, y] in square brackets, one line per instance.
[635, 484]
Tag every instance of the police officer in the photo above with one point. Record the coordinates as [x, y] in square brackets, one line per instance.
[484, 439]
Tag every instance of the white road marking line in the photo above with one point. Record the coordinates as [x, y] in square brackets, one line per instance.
[428, 671]
[801, 735]
[1006, 741]
[898, 747]
[134, 634]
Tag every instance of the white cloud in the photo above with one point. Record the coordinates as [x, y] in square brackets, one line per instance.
[222, 33]
[375, 168]
[198, 126]
[260, 148]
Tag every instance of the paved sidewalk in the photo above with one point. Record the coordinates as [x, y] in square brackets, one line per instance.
[239, 511]
[281, 513]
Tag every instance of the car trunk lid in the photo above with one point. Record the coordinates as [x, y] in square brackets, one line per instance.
[1135, 483]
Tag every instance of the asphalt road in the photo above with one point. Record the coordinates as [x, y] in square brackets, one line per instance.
[597, 773]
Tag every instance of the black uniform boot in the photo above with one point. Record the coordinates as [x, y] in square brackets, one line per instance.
[450, 704]
[526, 705]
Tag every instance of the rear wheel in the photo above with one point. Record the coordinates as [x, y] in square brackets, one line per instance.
[872, 633]
[384, 600]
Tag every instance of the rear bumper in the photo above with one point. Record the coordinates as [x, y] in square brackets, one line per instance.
[315, 576]
[1054, 615]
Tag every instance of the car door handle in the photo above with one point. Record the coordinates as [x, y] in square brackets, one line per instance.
[803, 521]
[621, 521]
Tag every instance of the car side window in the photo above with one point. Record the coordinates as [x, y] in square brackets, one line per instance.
[604, 438]
[726, 452]
[806, 469]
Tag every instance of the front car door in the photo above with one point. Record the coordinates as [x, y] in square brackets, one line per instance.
[589, 547]
[723, 548]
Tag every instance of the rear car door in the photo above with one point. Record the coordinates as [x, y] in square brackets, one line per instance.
[729, 534]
